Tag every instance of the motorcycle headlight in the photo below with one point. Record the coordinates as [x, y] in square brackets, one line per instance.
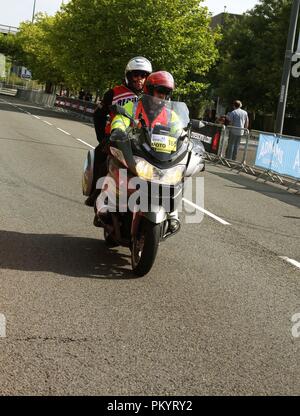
[170, 176]
[144, 169]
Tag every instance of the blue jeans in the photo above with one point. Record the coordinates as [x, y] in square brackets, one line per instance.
[234, 141]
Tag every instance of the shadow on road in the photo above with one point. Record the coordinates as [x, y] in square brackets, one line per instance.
[251, 184]
[62, 254]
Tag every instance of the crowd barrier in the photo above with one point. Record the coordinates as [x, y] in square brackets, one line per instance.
[279, 154]
[276, 157]
[210, 134]
[79, 106]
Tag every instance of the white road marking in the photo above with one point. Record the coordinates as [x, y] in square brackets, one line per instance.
[86, 143]
[291, 261]
[47, 122]
[63, 131]
[210, 214]
[36, 117]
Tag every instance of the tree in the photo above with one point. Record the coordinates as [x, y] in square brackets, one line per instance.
[252, 55]
[34, 40]
[30, 47]
[9, 46]
[95, 39]
[88, 43]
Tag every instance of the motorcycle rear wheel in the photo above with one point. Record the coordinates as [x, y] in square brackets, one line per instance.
[144, 247]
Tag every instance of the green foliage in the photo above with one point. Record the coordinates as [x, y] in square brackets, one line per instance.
[9, 46]
[36, 52]
[89, 42]
[252, 54]
[95, 40]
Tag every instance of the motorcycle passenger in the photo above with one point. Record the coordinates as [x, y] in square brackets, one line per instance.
[136, 73]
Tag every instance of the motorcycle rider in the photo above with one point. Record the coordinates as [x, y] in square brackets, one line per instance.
[136, 73]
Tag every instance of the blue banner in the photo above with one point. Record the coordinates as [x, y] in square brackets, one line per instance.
[278, 154]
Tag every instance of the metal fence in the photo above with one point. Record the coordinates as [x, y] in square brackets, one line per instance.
[37, 97]
[263, 154]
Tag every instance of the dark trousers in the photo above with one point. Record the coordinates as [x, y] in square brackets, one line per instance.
[100, 166]
[234, 141]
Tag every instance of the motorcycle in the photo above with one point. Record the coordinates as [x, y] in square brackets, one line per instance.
[140, 195]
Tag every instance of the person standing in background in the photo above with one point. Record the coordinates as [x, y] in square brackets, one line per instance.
[239, 120]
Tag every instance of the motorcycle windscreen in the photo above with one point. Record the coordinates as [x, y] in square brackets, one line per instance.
[165, 122]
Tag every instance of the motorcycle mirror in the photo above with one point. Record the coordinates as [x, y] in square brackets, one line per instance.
[197, 124]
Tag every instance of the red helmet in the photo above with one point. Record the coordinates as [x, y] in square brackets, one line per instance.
[159, 79]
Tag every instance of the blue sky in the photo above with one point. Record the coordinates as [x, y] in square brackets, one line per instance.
[12, 12]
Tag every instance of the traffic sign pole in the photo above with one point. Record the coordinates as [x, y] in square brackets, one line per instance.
[287, 67]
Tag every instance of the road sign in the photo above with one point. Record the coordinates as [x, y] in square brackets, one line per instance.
[25, 73]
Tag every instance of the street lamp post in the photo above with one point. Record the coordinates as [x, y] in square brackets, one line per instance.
[33, 11]
[287, 67]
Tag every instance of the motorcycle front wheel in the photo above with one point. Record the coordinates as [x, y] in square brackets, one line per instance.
[144, 247]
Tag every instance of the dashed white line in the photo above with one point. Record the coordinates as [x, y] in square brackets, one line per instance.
[82, 141]
[47, 122]
[291, 261]
[65, 132]
[36, 117]
[210, 214]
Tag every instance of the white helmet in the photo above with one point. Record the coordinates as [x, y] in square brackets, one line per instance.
[138, 63]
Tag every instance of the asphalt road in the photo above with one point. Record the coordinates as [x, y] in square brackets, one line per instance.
[213, 317]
